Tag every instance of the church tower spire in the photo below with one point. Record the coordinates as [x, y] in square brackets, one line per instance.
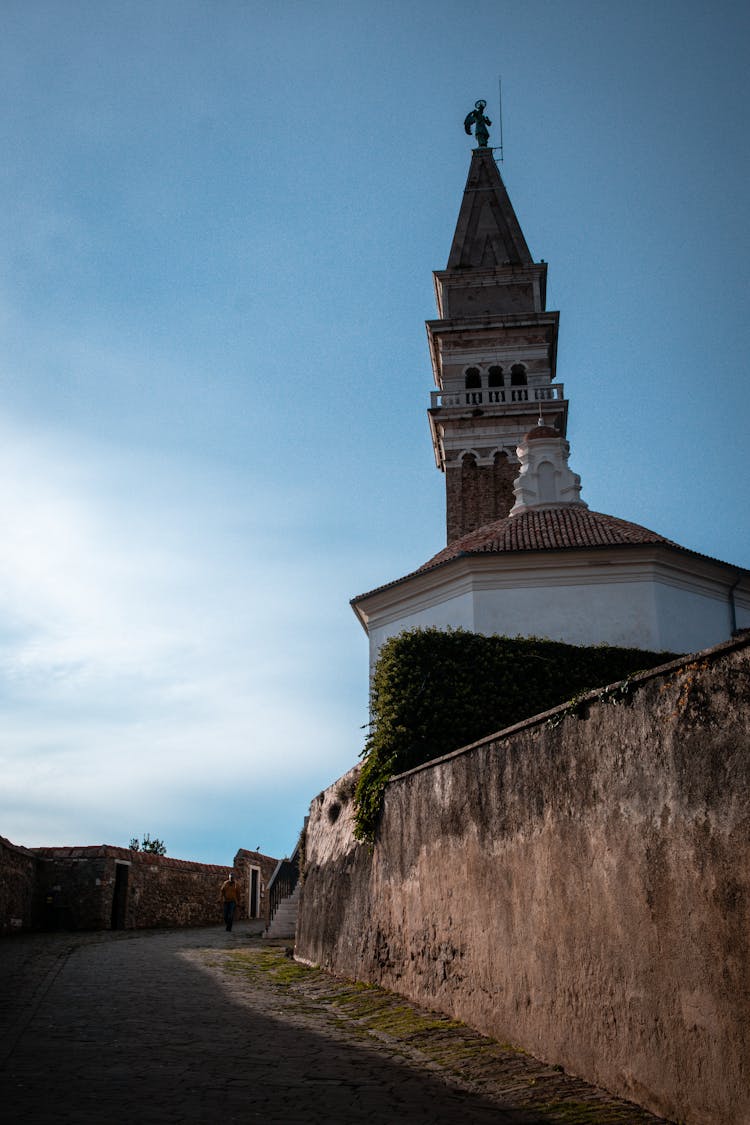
[493, 353]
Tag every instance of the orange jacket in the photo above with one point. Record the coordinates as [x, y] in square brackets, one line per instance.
[229, 891]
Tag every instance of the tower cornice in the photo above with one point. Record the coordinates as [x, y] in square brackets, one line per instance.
[490, 287]
[489, 339]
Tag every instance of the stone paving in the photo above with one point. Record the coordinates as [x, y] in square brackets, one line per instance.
[209, 1027]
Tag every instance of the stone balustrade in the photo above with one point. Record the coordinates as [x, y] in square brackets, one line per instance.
[496, 396]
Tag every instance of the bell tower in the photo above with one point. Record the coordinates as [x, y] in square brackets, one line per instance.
[493, 354]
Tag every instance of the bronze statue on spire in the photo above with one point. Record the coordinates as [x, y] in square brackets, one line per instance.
[480, 123]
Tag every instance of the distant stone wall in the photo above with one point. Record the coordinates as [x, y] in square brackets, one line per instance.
[579, 886]
[244, 862]
[174, 892]
[105, 887]
[74, 885]
[19, 899]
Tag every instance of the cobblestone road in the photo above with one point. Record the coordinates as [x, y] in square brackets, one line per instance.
[205, 1026]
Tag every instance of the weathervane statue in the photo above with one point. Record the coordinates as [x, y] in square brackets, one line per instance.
[480, 123]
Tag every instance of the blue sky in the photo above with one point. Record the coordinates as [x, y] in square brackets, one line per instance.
[218, 224]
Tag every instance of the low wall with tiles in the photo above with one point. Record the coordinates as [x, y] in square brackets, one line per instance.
[578, 885]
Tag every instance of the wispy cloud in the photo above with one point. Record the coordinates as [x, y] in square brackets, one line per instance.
[152, 648]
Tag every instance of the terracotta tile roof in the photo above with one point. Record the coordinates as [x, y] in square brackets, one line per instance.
[548, 529]
[113, 851]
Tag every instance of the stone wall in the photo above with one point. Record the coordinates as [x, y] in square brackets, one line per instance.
[244, 862]
[19, 899]
[80, 886]
[578, 885]
[106, 887]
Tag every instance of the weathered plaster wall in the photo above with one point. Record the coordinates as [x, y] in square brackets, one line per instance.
[581, 889]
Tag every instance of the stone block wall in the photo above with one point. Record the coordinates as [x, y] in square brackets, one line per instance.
[79, 887]
[75, 887]
[244, 862]
[106, 887]
[19, 897]
[578, 885]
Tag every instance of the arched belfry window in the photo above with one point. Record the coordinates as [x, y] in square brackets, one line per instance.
[518, 375]
[473, 384]
[495, 377]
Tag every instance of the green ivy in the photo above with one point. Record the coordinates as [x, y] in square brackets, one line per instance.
[436, 690]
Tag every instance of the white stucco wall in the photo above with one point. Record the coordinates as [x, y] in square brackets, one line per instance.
[741, 597]
[635, 598]
[644, 612]
[598, 612]
[456, 611]
[688, 621]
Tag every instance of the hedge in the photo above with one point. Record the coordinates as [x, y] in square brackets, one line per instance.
[436, 690]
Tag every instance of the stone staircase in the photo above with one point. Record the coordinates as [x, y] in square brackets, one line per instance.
[284, 922]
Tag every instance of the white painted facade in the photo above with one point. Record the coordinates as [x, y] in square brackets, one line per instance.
[650, 597]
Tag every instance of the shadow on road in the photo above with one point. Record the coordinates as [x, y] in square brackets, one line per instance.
[129, 1029]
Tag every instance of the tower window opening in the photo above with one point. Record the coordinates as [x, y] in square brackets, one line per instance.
[495, 377]
[518, 375]
[473, 384]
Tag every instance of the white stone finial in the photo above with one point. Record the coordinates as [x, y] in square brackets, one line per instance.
[545, 481]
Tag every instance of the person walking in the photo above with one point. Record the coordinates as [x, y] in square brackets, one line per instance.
[229, 897]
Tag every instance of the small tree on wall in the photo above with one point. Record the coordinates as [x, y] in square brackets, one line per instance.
[155, 846]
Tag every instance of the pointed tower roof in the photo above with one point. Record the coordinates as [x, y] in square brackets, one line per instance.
[488, 232]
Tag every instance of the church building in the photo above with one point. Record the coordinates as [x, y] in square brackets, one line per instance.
[525, 555]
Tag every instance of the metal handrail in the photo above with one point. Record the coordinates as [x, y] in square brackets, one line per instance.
[282, 883]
